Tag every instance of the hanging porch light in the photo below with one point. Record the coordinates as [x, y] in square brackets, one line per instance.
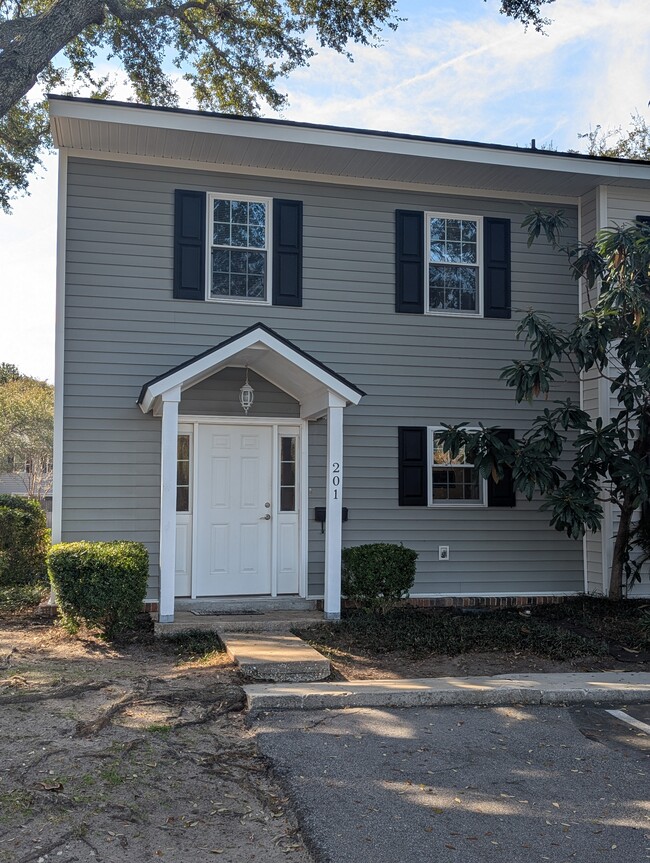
[246, 395]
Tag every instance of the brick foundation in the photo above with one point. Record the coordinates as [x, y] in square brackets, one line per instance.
[468, 601]
[441, 602]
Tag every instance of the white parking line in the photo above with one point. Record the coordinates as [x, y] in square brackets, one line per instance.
[635, 723]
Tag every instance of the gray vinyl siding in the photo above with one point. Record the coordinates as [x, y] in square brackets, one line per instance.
[123, 328]
[219, 396]
[625, 204]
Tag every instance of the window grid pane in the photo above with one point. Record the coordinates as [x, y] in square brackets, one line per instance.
[238, 274]
[183, 474]
[454, 480]
[453, 265]
[287, 474]
[239, 250]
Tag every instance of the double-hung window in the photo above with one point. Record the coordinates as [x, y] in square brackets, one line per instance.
[453, 481]
[239, 236]
[453, 275]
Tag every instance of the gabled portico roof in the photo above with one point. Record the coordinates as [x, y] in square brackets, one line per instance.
[272, 356]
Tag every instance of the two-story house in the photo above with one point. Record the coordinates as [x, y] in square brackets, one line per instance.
[261, 326]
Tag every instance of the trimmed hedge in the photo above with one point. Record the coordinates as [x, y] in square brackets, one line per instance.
[23, 541]
[378, 575]
[100, 584]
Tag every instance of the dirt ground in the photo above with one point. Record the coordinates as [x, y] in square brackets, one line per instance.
[129, 755]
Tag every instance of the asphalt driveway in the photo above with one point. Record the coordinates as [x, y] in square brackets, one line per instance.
[470, 784]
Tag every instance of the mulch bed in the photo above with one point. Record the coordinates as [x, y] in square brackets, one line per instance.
[581, 634]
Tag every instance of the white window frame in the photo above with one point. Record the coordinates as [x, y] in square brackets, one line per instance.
[449, 504]
[235, 196]
[479, 264]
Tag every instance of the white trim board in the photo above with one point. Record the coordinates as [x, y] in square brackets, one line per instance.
[59, 349]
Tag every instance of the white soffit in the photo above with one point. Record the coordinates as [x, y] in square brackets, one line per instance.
[128, 130]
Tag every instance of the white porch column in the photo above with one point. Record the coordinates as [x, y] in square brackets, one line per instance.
[334, 498]
[170, 400]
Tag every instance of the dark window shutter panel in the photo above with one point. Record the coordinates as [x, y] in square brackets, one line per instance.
[645, 220]
[409, 261]
[413, 486]
[496, 277]
[287, 253]
[502, 493]
[189, 245]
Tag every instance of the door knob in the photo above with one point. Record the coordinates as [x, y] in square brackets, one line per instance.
[265, 517]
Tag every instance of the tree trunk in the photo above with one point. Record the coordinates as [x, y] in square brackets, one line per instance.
[620, 547]
[43, 37]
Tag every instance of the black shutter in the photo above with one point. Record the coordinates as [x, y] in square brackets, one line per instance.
[189, 245]
[645, 220]
[413, 486]
[502, 493]
[496, 279]
[287, 253]
[409, 261]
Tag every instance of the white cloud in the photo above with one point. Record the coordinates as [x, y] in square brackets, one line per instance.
[486, 78]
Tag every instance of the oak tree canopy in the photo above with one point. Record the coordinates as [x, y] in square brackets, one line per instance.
[232, 52]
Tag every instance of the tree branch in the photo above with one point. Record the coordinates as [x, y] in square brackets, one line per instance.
[15, 28]
[153, 13]
[31, 51]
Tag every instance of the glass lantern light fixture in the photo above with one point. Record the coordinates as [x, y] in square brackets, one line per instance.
[246, 395]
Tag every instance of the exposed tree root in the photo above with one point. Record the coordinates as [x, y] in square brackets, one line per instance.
[92, 726]
[44, 850]
[75, 690]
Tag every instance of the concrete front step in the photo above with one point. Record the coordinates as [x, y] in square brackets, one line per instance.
[247, 603]
[527, 689]
[278, 657]
[270, 621]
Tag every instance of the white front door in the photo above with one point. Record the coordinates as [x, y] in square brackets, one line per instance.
[234, 511]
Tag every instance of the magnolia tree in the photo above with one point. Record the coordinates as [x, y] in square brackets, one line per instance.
[574, 461]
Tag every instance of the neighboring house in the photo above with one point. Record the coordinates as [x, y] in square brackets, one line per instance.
[367, 286]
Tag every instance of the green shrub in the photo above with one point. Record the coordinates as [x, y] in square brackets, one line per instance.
[23, 544]
[21, 598]
[101, 584]
[378, 575]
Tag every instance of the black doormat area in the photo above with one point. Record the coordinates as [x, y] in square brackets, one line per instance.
[223, 613]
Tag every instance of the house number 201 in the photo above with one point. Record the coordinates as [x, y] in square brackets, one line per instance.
[336, 478]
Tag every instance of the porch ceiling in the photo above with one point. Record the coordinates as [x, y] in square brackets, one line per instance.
[263, 351]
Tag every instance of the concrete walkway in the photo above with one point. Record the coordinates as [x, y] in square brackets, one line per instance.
[619, 687]
[276, 656]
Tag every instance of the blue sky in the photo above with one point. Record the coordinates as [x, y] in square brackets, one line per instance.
[455, 68]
